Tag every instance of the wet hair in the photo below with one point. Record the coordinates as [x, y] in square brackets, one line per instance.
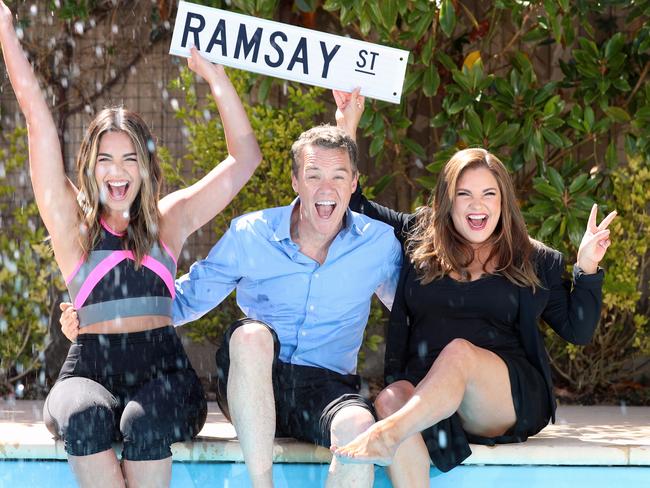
[143, 229]
[327, 136]
[436, 248]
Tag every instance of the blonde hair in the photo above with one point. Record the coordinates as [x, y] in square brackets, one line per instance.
[143, 229]
[436, 248]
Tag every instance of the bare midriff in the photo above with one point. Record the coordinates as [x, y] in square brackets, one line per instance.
[127, 324]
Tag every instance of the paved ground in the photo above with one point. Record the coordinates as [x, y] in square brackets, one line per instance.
[581, 436]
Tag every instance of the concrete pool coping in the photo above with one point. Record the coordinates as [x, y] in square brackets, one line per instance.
[581, 436]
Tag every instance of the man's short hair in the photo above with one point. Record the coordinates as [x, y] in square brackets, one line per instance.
[327, 136]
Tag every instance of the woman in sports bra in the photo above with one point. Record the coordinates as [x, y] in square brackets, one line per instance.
[127, 376]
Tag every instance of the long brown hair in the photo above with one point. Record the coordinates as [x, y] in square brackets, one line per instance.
[436, 248]
[143, 229]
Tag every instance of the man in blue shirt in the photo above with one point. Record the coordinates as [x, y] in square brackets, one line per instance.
[305, 275]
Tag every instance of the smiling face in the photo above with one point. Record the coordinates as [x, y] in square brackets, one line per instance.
[324, 182]
[117, 172]
[476, 206]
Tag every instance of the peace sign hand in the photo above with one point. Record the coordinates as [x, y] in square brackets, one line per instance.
[595, 242]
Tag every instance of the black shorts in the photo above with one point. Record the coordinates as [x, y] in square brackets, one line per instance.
[138, 387]
[447, 441]
[306, 398]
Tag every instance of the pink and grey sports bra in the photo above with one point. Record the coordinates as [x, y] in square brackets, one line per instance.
[106, 285]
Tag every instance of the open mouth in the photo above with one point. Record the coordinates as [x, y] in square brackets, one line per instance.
[477, 221]
[117, 189]
[325, 208]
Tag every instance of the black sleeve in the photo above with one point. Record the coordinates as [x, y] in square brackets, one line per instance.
[574, 306]
[399, 221]
[397, 335]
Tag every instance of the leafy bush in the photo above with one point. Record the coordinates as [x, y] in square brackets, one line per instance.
[28, 273]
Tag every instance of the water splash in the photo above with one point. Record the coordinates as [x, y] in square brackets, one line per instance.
[442, 439]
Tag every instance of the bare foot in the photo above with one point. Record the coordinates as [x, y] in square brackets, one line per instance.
[374, 446]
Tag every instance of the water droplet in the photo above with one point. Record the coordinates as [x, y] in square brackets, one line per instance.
[442, 439]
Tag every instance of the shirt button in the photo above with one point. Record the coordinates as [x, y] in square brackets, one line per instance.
[311, 307]
[316, 275]
[303, 333]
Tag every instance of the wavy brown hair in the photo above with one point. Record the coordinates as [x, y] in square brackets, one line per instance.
[436, 248]
[143, 229]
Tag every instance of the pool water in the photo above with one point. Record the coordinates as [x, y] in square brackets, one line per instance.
[31, 474]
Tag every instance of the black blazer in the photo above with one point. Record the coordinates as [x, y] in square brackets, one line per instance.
[570, 307]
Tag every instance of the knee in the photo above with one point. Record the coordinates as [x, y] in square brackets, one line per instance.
[252, 339]
[459, 351]
[393, 397]
[348, 423]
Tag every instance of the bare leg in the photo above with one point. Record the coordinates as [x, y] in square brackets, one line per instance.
[148, 474]
[251, 401]
[347, 424]
[411, 464]
[104, 464]
[464, 378]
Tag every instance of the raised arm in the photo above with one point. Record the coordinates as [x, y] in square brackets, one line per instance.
[186, 210]
[349, 108]
[573, 309]
[55, 195]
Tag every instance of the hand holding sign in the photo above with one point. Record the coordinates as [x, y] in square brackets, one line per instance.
[204, 68]
[349, 109]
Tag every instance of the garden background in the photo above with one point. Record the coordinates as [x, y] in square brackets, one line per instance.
[558, 89]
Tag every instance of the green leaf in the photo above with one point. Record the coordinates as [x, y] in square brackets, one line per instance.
[588, 120]
[578, 184]
[552, 137]
[611, 155]
[617, 114]
[428, 182]
[556, 179]
[447, 17]
[414, 147]
[431, 81]
[264, 87]
[547, 190]
[474, 123]
[549, 225]
[376, 145]
[383, 182]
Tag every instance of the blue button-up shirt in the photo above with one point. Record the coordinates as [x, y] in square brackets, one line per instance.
[319, 312]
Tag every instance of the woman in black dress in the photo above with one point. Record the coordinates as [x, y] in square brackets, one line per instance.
[464, 358]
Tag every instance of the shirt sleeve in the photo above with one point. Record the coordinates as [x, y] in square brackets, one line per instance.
[386, 289]
[573, 308]
[399, 221]
[208, 282]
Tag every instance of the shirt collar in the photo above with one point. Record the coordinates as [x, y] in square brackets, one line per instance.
[283, 230]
